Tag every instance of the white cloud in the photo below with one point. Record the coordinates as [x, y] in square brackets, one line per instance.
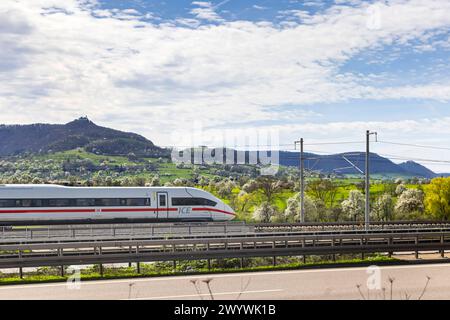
[205, 11]
[259, 7]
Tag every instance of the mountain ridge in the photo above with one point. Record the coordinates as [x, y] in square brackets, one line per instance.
[79, 133]
[345, 163]
[83, 133]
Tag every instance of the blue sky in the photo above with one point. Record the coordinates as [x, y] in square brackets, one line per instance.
[233, 10]
[322, 70]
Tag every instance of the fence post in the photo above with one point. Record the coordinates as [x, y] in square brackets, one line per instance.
[274, 258]
[363, 256]
[416, 242]
[334, 254]
[390, 253]
[129, 251]
[242, 259]
[61, 253]
[101, 265]
[303, 246]
[209, 260]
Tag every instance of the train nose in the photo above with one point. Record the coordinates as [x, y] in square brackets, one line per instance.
[230, 214]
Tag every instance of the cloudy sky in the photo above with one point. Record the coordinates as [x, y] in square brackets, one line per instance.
[323, 70]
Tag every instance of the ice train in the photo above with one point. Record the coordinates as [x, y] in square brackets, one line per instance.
[31, 204]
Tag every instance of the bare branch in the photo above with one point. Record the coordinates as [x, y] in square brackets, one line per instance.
[207, 281]
[360, 292]
[194, 282]
[425, 288]
[130, 287]
[391, 280]
[244, 288]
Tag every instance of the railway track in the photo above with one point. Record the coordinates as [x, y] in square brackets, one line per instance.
[79, 233]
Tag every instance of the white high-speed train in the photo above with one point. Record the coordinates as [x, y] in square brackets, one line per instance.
[58, 204]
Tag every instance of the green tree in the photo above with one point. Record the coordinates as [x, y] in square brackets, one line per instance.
[225, 188]
[323, 189]
[264, 213]
[312, 207]
[269, 187]
[383, 208]
[155, 181]
[109, 181]
[437, 198]
[243, 201]
[410, 204]
[400, 189]
[354, 206]
[250, 186]
[139, 181]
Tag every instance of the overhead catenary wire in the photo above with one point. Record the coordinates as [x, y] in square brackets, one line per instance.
[322, 155]
[320, 143]
[270, 145]
[414, 145]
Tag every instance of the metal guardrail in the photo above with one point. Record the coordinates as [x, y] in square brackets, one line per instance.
[375, 225]
[105, 232]
[117, 231]
[256, 245]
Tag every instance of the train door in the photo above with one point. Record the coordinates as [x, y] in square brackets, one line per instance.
[162, 200]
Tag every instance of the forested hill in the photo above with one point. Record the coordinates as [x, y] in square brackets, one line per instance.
[80, 133]
[345, 163]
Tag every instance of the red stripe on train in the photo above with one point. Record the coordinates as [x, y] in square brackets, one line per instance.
[139, 210]
[215, 210]
[108, 210]
[48, 211]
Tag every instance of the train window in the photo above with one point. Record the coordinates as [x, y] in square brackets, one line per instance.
[26, 203]
[193, 202]
[36, 203]
[7, 203]
[59, 202]
[84, 202]
[162, 200]
[136, 202]
[113, 202]
[107, 202]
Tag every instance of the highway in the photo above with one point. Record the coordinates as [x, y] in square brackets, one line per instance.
[337, 283]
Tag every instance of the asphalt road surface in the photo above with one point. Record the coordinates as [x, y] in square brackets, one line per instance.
[408, 282]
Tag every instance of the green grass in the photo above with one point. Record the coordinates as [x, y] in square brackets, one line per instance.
[129, 273]
[81, 154]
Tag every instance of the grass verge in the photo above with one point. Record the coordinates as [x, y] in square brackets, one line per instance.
[127, 273]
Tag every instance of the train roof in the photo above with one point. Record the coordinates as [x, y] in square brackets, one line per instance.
[52, 186]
